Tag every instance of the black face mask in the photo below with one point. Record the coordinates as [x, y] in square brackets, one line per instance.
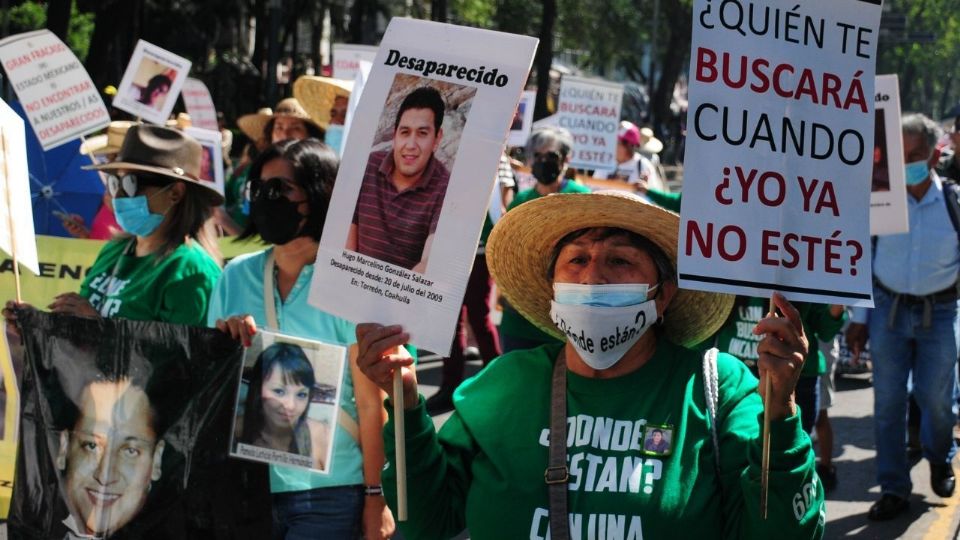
[277, 220]
[546, 171]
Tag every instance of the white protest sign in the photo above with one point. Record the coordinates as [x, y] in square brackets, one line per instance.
[199, 104]
[151, 83]
[778, 150]
[407, 209]
[347, 58]
[60, 100]
[590, 110]
[211, 158]
[16, 206]
[888, 192]
[522, 119]
[363, 72]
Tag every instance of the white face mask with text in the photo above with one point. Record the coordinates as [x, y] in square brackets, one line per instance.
[601, 334]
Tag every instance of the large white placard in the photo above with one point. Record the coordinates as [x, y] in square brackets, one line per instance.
[16, 207]
[590, 110]
[522, 121]
[151, 83]
[779, 154]
[347, 58]
[60, 100]
[888, 191]
[407, 261]
[199, 104]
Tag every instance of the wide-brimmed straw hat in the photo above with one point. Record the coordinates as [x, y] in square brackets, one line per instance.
[651, 144]
[521, 245]
[317, 95]
[164, 152]
[108, 143]
[252, 124]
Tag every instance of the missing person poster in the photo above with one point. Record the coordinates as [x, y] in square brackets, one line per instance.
[412, 190]
[288, 402]
[60, 100]
[590, 110]
[779, 153]
[151, 83]
[522, 121]
[211, 157]
[888, 187]
[347, 58]
[122, 424]
[196, 97]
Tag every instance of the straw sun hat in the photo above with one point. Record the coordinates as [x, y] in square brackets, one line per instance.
[252, 124]
[317, 95]
[520, 248]
[110, 142]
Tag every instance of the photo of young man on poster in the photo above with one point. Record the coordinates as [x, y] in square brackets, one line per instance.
[405, 183]
[108, 457]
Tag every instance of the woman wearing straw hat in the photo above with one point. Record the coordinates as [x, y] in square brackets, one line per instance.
[551, 440]
[164, 267]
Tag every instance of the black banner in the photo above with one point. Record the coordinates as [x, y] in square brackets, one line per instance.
[125, 428]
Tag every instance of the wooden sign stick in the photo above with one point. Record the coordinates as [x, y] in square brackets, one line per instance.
[765, 459]
[400, 460]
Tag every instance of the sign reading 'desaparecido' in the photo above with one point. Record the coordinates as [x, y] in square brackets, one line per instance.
[779, 149]
[60, 100]
[590, 110]
[418, 166]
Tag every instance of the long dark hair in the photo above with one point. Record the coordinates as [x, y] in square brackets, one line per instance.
[314, 169]
[155, 82]
[296, 369]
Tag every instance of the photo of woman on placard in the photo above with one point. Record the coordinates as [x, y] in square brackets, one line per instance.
[154, 94]
[281, 387]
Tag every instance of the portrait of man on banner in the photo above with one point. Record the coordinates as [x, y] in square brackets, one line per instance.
[408, 171]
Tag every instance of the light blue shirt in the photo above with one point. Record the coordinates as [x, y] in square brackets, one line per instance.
[239, 292]
[925, 260]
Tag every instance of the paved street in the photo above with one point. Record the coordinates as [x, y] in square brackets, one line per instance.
[929, 517]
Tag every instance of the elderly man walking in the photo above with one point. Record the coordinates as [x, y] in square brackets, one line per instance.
[914, 329]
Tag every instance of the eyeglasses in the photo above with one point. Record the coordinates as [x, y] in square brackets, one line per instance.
[269, 189]
[131, 183]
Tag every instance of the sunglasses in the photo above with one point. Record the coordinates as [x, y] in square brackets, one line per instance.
[269, 189]
[130, 183]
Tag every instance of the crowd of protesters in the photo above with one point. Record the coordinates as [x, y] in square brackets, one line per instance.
[604, 255]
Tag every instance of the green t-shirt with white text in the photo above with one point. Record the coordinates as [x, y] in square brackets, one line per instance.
[174, 288]
[485, 469]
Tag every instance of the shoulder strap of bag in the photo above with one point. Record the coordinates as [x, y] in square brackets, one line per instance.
[711, 391]
[557, 475]
[951, 195]
[270, 308]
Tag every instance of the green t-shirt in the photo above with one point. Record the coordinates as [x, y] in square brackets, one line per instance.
[485, 469]
[736, 336]
[664, 199]
[174, 289]
[513, 323]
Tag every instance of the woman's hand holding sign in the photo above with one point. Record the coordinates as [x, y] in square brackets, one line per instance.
[381, 353]
[73, 304]
[240, 328]
[782, 351]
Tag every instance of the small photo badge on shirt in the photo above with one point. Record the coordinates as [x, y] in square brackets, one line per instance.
[658, 440]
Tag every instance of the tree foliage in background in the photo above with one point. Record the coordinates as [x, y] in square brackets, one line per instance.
[32, 15]
[925, 55]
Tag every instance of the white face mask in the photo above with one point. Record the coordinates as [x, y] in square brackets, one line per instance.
[602, 335]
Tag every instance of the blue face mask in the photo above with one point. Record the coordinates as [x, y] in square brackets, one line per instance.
[134, 216]
[611, 295]
[916, 172]
[334, 138]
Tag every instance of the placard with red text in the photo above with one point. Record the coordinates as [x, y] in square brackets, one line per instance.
[779, 149]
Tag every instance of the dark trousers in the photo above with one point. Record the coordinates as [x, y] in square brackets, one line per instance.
[476, 312]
